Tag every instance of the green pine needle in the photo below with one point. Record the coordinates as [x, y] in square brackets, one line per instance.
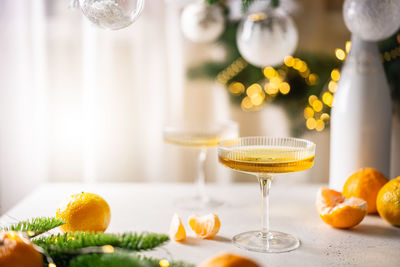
[35, 226]
[119, 259]
[63, 247]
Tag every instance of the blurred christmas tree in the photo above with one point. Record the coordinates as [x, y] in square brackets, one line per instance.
[305, 83]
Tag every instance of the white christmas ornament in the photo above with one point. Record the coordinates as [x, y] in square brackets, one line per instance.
[201, 22]
[112, 14]
[372, 20]
[264, 38]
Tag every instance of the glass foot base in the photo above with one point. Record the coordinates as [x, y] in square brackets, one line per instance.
[273, 242]
[197, 203]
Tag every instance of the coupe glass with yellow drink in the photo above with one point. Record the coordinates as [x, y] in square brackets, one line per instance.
[266, 157]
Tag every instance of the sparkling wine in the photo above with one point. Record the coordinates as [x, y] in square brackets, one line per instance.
[266, 159]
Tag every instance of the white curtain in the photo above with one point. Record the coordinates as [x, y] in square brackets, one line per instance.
[81, 104]
[78, 103]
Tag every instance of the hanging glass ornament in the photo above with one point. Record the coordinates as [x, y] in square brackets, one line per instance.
[112, 14]
[73, 3]
[201, 22]
[372, 20]
[266, 36]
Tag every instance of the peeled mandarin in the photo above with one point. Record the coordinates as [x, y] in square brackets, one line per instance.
[365, 184]
[228, 260]
[339, 212]
[177, 231]
[388, 202]
[206, 226]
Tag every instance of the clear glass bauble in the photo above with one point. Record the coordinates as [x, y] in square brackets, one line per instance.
[112, 14]
[265, 37]
[202, 23]
[372, 20]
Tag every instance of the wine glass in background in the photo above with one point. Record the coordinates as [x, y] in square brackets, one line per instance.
[265, 157]
[200, 137]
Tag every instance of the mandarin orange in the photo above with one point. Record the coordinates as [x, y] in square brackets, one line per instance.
[177, 231]
[18, 251]
[365, 184]
[206, 226]
[228, 260]
[337, 211]
[84, 212]
[388, 202]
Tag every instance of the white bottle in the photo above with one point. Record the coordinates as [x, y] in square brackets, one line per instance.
[361, 115]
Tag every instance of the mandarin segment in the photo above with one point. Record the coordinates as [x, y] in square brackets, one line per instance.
[18, 251]
[84, 212]
[206, 226]
[388, 202]
[177, 231]
[228, 260]
[365, 184]
[339, 212]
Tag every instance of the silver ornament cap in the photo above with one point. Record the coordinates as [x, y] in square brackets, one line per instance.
[372, 20]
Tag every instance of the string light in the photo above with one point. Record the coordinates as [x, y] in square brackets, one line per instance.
[269, 72]
[312, 79]
[315, 112]
[311, 99]
[284, 88]
[311, 123]
[30, 233]
[348, 46]
[327, 98]
[107, 249]
[319, 125]
[308, 113]
[231, 71]
[393, 53]
[52, 265]
[164, 263]
[246, 104]
[340, 54]
[289, 61]
[332, 85]
[236, 88]
[317, 105]
[324, 116]
[335, 75]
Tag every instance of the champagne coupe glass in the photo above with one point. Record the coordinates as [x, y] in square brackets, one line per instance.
[200, 137]
[265, 157]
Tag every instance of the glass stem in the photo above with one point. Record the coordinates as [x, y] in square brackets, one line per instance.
[265, 185]
[201, 176]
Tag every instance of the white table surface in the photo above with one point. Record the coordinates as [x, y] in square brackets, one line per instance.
[137, 207]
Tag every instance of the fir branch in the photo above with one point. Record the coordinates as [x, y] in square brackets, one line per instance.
[35, 226]
[120, 259]
[63, 247]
